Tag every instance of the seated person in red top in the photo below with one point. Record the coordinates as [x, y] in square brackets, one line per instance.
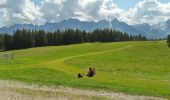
[90, 73]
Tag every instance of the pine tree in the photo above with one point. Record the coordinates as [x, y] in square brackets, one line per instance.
[30, 39]
[23, 39]
[1, 41]
[78, 36]
[8, 42]
[58, 37]
[168, 40]
[50, 39]
[17, 39]
[40, 38]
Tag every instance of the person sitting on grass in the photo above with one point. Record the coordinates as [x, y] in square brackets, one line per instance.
[90, 73]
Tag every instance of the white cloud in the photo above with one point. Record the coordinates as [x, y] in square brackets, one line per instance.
[109, 9]
[147, 11]
[99, 9]
[25, 11]
[57, 10]
[2, 2]
[20, 12]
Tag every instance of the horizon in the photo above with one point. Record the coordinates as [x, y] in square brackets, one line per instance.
[39, 12]
[77, 20]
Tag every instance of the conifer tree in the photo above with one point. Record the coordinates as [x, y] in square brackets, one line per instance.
[8, 43]
[1, 42]
[168, 40]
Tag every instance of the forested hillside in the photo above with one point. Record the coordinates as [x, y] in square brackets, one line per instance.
[37, 38]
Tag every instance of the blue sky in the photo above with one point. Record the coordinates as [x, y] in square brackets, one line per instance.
[37, 2]
[124, 4]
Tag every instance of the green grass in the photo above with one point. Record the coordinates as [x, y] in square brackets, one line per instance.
[141, 68]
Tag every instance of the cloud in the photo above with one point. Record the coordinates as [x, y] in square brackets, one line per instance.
[147, 11]
[109, 9]
[57, 10]
[2, 2]
[99, 9]
[24, 11]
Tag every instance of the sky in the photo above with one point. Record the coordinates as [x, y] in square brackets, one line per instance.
[126, 4]
[121, 3]
[39, 12]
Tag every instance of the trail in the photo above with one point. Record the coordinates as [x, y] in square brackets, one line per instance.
[96, 53]
[88, 54]
[60, 63]
[19, 91]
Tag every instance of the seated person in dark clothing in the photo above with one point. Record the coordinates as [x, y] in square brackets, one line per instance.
[79, 75]
[90, 73]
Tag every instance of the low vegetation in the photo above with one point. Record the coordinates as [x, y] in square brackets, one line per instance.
[140, 68]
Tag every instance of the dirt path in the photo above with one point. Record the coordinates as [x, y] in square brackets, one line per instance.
[10, 90]
[62, 61]
[96, 53]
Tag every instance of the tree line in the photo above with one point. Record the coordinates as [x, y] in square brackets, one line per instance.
[168, 40]
[22, 39]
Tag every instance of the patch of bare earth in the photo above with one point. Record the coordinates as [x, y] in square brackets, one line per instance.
[10, 90]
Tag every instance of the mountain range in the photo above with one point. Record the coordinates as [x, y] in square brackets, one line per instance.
[156, 31]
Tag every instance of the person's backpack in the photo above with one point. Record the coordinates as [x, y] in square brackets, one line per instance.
[79, 75]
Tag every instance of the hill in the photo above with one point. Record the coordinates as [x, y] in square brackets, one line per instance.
[140, 68]
[156, 31]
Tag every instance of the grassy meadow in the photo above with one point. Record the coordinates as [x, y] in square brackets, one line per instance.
[138, 68]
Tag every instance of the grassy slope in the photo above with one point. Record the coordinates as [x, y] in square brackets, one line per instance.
[131, 67]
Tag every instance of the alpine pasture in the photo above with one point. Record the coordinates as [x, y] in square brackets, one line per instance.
[137, 68]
